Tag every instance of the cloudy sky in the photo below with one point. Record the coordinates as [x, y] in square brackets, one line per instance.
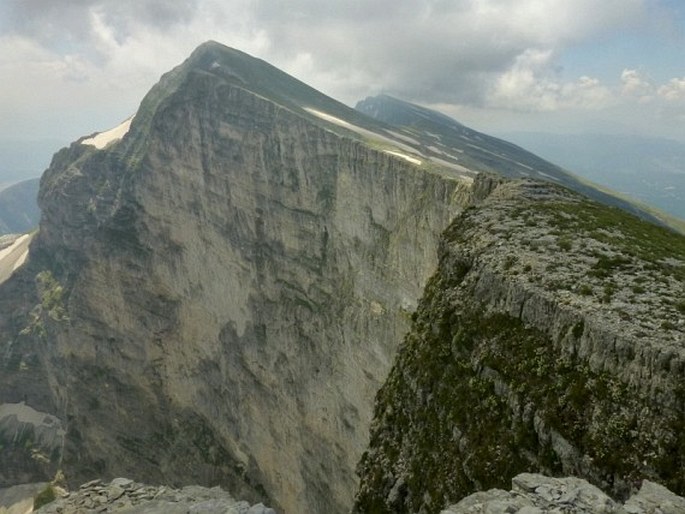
[72, 67]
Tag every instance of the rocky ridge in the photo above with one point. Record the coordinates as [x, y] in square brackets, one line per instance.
[124, 495]
[450, 143]
[538, 494]
[550, 338]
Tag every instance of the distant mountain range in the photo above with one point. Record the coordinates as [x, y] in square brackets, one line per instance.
[651, 170]
[19, 210]
[449, 143]
[25, 159]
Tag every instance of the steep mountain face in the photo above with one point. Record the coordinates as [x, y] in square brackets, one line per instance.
[19, 207]
[551, 338]
[218, 290]
[451, 143]
[216, 297]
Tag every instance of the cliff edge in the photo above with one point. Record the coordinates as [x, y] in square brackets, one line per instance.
[550, 339]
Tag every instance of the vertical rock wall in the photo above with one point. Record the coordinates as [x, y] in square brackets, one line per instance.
[236, 279]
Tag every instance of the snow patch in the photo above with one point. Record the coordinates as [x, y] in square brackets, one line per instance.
[13, 256]
[337, 121]
[453, 165]
[442, 152]
[10, 249]
[102, 139]
[404, 156]
[20, 260]
[358, 130]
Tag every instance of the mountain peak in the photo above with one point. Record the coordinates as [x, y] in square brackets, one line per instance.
[212, 55]
[395, 111]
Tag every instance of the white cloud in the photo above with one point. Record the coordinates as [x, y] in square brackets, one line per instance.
[635, 84]
[97, 58]
[431, 50]
[674, 90]
[532, 84]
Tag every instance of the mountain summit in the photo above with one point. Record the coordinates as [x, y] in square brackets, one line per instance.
[219, 290]
[231, 277]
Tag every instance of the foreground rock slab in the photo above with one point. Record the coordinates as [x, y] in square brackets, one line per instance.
[19, 498]
[126, 496]
[538, 494]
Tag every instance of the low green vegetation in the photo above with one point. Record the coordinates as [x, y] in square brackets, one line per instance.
[629, 237]
[51, 295]
[476, 395]
[44, 497]
[457, 415]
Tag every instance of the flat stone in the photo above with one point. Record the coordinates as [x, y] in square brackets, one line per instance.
[90, 484]
[239, 508]
[114, 492]
[653, 498]
[260, 509]
[121, 482]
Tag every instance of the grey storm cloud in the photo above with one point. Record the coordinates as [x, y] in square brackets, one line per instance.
[430, 51]
[67, 24]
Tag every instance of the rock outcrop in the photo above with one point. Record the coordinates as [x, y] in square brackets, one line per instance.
[125, 495]
[24, 430]
[538, 494]
[551, 338]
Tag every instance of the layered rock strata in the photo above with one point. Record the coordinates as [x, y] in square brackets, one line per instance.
[232, 279]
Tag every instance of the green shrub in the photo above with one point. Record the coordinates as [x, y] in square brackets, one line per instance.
[585, 290]
[44, 497]
[565, 243]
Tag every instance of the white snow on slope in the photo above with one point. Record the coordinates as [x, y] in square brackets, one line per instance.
[369, 133]
[102, 139]
[13, 256]
[408, 139]
[359, 130]
[454, 166]
[337, 121]
[404, 156]
[11, 248]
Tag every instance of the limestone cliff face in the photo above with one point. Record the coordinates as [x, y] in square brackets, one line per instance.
[551, 338]
[219, 295]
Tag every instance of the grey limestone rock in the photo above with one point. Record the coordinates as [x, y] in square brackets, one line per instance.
[232, 278]
[217, 297]
[536, 347]
[539, 494]
[129, 497]
[654, 498]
